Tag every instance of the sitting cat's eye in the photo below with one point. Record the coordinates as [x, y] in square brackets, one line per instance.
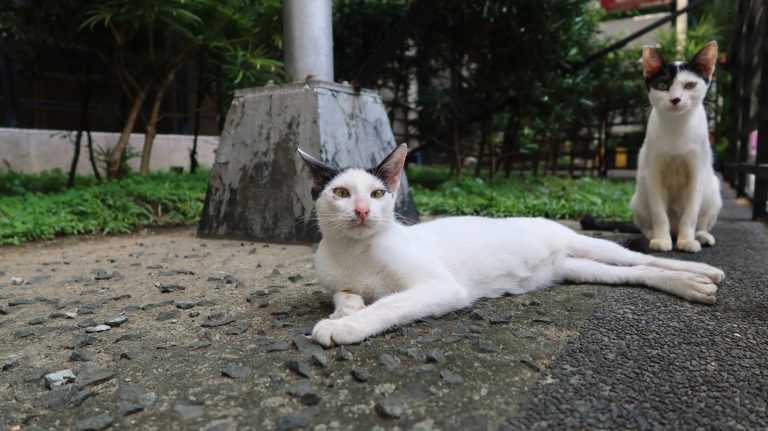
[378, 194]
[661, 86]
[689, 85]
[341, 192]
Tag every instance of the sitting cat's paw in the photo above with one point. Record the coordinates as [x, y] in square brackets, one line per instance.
[663, 244]
[705, 238]
[345, 311]
[328, 332]
[689, 245]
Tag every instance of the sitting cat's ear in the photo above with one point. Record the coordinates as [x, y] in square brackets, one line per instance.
[321, 173]
[652, 61]
[704, 61]
[389, 170]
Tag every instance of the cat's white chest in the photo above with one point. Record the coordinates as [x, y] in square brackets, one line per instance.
[354, 269]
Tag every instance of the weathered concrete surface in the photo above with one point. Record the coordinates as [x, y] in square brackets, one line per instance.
[258, 189]
[164, 367]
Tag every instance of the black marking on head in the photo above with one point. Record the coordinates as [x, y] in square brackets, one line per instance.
[390, 168]
[320, 173]
[702, 65]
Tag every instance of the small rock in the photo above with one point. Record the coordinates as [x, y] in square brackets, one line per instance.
[343, 354]
[81, 354]
[230, 279]
[57, 397]
[542, 320]
[59, 378]
[310, 399]
[116, 321]
[390, 407]
[319, 359]
[278, 346]
[24, 332]
[291, 422]
[16, 281]
[95, 377]
[98, 328]
[408, 331]
[217, 320]
[361, 375]
[81, 341]
[168, 315]
[60, 315]
[36, 321]
[188, 412]
[451, 378]
[414, 353]
[185, 305]
[197, 345]
[487, 346]
[301, 388]
[298, 368]
[129, 337]
[168, 288]
[125, 408]
[136, 394]
[236, 372]
[502, 317]
[305, 345]
[9, 365]
[238, 330]
[528, 361]
[296, 277]
[129, 355]
[96, 423]
[388, 360]
[435, 355]
[525, 333]
[429, 338]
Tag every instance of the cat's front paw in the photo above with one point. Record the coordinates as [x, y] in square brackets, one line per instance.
[661, 244]
[689, 245]
[329, 332]
[705, 238]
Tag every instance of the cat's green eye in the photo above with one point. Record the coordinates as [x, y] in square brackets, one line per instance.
[689, 85]
[378, 194]
[661, 86]
[341, 192]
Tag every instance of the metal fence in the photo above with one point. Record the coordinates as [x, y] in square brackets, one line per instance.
[749, 103]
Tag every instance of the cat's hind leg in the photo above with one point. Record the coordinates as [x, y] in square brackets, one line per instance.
[346, 303]
[609, 252]
[710, 208]
[693, 287]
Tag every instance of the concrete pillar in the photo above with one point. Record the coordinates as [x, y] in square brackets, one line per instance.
[681, 26]
[308, 40]
[258, 188]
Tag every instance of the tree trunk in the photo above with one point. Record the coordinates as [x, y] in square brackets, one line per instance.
[193, 164]
[457, 148]
[116, 155]
[75, 158]
[91, 156]
[154, 116]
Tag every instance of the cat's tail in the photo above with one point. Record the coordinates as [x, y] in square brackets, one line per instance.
[589, 222]
[637, 243]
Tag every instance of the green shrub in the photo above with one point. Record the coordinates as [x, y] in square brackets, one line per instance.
[14, 183]
[111, 207]
[540, 196]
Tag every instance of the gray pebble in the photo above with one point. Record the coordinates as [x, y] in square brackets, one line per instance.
[126, 408]
[361, 374]
[430, 338]
[435, 355]
[343, 354]
[59, 378]
[528, 361]
[414, 353]
[188, 412]
[96, 423]
[24, 332]
[185, 305]
[98, 328]
[136, 394]
[278, 346]
[294, 421]
[525, 333]
[81, 354]
[36, 321]
[167, 315]
[9, 365]
[197, 345]
[129, 337]
[236, 372]
[451, 378]
[319, 359]
[301, 388]
[116, 321]
[424, 368]
[20, 301]
[95, 376]
[390, 407]
[217, 320]
[238, 330]
[58, 397]
[168, 288]
[129, 355]
[487, 346]
[298, 368]
[310, 399]
[409, 331]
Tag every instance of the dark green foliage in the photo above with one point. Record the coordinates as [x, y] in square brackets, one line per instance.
[14, 183]
[534, 196]
[159, 199]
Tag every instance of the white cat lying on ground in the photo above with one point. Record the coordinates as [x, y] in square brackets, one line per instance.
[386, 274]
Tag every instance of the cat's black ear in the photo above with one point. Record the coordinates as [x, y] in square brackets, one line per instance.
[704, 61]
[652, 61]
[321, 173]
[391, 167]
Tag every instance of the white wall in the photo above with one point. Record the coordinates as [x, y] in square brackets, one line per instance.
[35, 150]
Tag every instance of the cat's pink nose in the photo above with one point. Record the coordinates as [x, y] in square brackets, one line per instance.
[362, 213]
[675, 101]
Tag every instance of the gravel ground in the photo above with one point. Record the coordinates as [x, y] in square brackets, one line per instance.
[166, 331]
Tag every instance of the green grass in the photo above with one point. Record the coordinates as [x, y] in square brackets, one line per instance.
[545, 196]
[111, 207]
[14, 183]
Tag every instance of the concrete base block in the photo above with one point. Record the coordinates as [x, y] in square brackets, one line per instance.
[258, 188]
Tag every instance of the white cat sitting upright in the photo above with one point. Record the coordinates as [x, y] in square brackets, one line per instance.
[386, 274]
[677, 190]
